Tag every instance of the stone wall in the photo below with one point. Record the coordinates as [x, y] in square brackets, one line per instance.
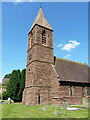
[62, 94]
[37, 95]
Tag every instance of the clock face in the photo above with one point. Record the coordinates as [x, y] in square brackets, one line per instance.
[30, 57]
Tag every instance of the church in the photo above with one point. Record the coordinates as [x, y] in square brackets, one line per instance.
[50, 79]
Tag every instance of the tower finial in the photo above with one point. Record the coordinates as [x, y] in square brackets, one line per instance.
[40, 3]
[40, 6]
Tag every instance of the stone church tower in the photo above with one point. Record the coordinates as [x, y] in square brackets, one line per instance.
[39, 69]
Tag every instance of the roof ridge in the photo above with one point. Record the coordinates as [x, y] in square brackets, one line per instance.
[70, 61]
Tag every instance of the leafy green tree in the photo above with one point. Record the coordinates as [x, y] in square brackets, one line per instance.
[22, 81]
[5, 95]
[7, 75]
[16, 85]
[6, 83]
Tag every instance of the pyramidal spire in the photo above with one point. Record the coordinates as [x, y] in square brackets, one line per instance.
[41, 20]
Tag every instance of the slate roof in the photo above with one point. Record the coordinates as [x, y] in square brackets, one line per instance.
[41, 20]
[72, 71]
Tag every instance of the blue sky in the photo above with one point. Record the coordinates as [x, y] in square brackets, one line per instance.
[68, 20]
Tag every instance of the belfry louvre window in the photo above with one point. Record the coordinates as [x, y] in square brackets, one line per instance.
[43, 37]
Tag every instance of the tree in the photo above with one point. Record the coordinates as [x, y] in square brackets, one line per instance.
[16, 85]
[7, 75]
[5, 95]
[22, 81]
[6, 83]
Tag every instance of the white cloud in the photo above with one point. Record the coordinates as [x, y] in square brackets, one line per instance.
[67, 56]
[59, 45]
[71, 45]
[75, 43]
[20, 1]
[17, 1]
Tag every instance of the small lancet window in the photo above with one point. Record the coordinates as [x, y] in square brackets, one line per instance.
[88, 91]
[83, 91]
[70, 90]
[43, 37]
[29, 70]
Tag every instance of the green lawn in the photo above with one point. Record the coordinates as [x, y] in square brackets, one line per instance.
[18, 110]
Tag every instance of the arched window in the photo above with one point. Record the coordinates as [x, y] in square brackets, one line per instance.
[29, 70]
[43, 37]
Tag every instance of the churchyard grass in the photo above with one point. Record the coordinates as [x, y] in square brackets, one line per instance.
[19, 110]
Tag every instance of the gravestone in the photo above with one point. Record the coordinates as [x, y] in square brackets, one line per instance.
[9, 100]
[65, 105]
[85, 102]
[88, 102]
[44, 108]
[57, 112]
